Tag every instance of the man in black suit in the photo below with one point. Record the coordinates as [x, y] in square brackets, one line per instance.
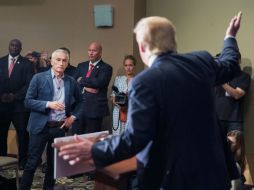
[94, 77]
[172, 125]
[15, 75]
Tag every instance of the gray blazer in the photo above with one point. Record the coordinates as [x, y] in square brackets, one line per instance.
[41, 91]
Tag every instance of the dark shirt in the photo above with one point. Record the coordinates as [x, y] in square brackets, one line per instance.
[40, 69]
[70, 70]
[228, 108]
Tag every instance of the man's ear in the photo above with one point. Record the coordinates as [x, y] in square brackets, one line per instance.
[142, 47]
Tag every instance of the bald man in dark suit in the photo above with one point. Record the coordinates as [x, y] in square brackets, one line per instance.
[94, 76]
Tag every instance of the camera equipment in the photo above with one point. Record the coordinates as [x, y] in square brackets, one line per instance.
[121, 98]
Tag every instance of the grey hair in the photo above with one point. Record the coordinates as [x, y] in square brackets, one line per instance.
[60, 51]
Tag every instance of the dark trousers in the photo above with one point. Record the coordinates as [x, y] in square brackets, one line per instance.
[87, 125]
[19, 121]
[91, 125]
[36, 147]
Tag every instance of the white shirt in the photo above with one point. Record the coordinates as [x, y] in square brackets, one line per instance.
[10, 58]
[151, 60]
[94, 64]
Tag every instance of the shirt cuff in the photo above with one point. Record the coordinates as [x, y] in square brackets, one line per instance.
[228, 36]
[74, 117]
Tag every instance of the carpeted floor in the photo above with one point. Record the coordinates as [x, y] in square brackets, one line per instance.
[64, 183]
[78, 183]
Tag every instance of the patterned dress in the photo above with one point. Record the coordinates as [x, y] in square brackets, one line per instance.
[121, 82]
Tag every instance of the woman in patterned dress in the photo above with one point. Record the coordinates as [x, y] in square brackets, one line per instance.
[122, 82]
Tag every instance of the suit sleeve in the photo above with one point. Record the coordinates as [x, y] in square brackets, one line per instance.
[243, 82]
[78, 72]
[141, 128]
[227, 64]
[32, 94]
[78, 101]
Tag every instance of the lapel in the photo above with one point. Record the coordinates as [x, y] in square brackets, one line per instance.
[51, 86]
[67, 101]
[17, 66]
[50, 82]
[66, 88]
[86, 68]
[6, 72]
[96, 69]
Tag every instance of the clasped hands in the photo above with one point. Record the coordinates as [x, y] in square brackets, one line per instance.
[7, 97]
[87, 89]
[91, 90]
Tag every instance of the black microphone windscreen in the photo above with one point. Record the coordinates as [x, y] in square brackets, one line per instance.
[114, 88]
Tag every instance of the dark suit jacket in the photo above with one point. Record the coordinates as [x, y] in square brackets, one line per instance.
[172, 122]
[95, 105]
[70, 70]
[40, 91]
[17, 84]
[228, 108]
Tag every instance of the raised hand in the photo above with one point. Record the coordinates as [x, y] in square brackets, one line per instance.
[234, 25]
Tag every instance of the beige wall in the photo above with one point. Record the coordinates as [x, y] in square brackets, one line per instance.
[50, 24]
[139, 12]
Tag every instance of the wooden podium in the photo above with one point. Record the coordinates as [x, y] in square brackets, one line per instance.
[116, 176]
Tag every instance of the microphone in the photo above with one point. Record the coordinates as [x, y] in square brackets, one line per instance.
[114, 88]
[120, 97]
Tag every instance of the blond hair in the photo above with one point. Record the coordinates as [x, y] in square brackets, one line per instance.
[158, 33]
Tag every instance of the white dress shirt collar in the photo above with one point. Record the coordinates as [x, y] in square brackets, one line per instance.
[95, 63]
[10, 58]
[54, 76]
[151, 59]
